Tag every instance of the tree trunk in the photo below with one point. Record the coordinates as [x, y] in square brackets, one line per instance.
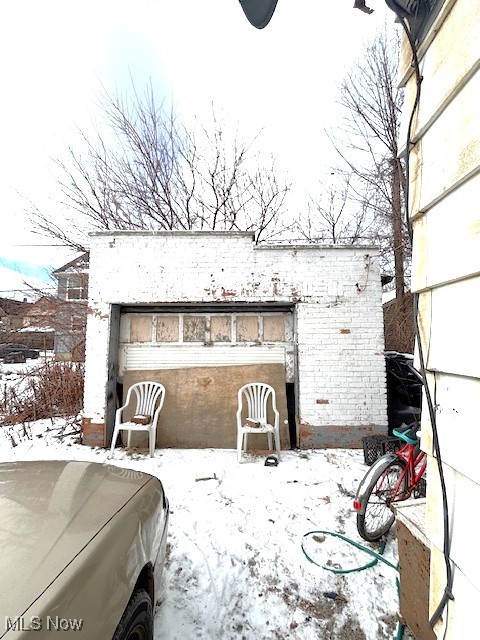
[397, 224]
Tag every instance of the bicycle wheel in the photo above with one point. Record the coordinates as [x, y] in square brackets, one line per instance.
[377, 516]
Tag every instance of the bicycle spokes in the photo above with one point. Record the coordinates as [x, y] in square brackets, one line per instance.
[385, 487]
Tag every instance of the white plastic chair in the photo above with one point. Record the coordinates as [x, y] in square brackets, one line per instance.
[257, 395]
[148, 396]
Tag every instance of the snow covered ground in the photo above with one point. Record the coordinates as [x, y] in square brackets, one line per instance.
[235, 567]
[16, 374]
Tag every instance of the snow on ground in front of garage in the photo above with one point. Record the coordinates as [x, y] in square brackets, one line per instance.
[235, 567]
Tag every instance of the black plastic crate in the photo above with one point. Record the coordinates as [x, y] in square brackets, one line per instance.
[421, 490]
[376, 446]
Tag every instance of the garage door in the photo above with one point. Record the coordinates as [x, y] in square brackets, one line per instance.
[203, 359]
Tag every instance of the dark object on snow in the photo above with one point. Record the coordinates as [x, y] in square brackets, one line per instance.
[378, 445]
[404, 390]
[271, 461]
[330, 594]
[14, 357]
[5, 349]
[214, 477]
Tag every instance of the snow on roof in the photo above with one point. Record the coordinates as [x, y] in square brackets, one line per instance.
[80, 263]
[17, 286]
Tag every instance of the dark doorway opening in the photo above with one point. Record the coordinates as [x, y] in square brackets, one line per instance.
[291, 413]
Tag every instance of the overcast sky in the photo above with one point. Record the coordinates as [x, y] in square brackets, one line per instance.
[56, 54]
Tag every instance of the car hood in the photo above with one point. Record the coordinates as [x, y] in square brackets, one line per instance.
[49, 512]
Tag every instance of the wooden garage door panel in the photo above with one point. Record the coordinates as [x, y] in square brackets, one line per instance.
[201, 403]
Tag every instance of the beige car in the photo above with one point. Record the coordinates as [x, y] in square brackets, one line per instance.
[82, 549]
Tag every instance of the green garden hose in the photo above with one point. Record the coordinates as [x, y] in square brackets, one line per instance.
[376, 558]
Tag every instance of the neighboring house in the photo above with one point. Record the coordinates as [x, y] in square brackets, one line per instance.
[40, 313]
[71, 312]
[38, 324]
[12, 313]
[20, 323]
[206, 312]
[444, 208]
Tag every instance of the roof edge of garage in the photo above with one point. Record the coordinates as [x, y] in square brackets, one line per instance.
[322, 247]
[180, 232]
[231, 234]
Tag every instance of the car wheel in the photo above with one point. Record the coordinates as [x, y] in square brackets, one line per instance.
[137, 620]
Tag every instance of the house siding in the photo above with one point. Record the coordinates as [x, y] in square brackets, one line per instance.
[335, 294]
[70, 320]
[444, 196]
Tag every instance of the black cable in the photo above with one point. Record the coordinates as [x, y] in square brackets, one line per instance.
[447, 594]
[416, 102]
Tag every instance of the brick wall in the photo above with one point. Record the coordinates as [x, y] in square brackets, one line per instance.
[338, 314]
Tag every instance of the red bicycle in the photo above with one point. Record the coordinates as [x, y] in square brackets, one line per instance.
[392, 478]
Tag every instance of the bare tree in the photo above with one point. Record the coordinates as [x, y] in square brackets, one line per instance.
[331, 219]
[148, 171]
[365, 200]
[368, 145]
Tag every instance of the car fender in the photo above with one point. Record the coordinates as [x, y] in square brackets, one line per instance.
[98, 583]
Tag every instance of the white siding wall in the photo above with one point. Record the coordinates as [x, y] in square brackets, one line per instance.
[445, 196]
[337, 293]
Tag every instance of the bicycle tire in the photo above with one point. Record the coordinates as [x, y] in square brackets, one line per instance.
[377, 517]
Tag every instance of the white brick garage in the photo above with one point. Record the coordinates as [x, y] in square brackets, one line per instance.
[157, 300]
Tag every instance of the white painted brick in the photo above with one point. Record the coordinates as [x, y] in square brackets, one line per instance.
[348, 369]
